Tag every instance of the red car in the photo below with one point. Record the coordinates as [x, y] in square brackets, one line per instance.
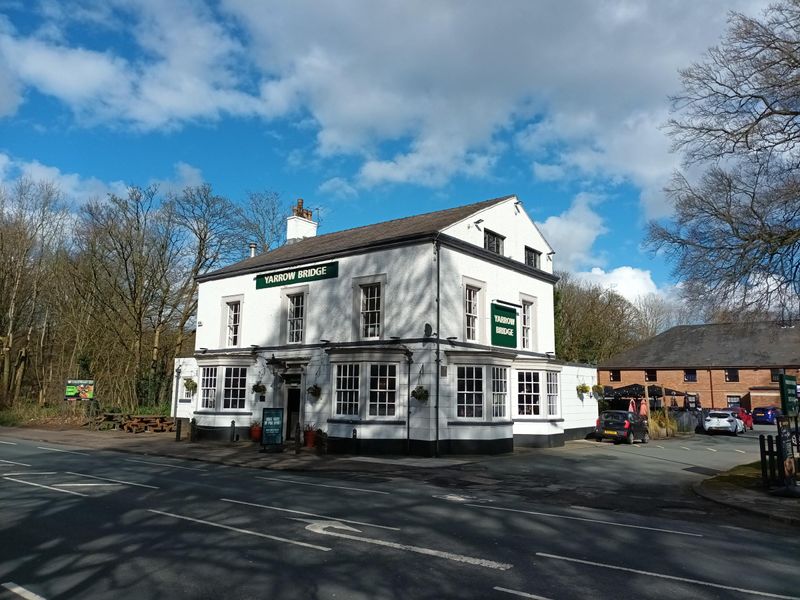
[744, 415]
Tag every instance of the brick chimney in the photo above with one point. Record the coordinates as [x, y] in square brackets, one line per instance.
[300, 225]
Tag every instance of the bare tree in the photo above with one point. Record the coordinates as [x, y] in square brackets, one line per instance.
[262, 220]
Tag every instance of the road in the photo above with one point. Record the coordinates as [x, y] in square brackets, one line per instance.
[80, 523]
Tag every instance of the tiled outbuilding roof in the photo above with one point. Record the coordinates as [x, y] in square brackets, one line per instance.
[720, 345]
[306, 250]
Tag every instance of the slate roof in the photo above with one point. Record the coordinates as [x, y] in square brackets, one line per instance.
[720, 345]
[306, 250]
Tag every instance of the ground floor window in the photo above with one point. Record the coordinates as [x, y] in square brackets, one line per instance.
[234, 390]
[469, 394]
[382, 390]
[552, 393]
[499, 391]
[528, 400]
[346, 389]
[734, 401]
[208, 387]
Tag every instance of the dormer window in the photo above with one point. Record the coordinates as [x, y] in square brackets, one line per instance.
[533, 258]
[493, 242]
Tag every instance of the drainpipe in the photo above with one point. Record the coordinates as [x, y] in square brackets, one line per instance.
[437, 249]
[409, 360]
[711, 386]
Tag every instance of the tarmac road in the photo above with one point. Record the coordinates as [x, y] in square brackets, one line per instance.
[87, 523]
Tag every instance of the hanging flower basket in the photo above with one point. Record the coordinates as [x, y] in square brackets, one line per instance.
[259, 388]
[420, 393]
[599, 391]
[582, 389]
[190, 385]
[314, 390]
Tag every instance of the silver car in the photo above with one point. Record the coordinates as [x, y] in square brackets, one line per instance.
[724, 421]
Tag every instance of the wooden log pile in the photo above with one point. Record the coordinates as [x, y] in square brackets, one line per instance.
[132, 423]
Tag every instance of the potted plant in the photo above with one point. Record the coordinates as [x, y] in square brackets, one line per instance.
[314, 390]
[259, 388]
[599, 391]
[583, 389]
[420, 393]
[255, 431]
[321, 441]
[190, 385]
[309, 435]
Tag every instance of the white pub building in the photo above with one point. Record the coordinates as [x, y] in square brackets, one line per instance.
[424, 335]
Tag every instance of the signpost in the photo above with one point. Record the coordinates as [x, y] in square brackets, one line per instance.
[504, 326]
[79, 389]
[272, 428]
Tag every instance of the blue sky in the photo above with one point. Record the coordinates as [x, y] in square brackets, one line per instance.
[367, 110]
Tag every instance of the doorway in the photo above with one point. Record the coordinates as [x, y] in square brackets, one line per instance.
[292, 411]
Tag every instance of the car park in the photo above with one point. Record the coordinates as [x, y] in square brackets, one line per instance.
[765, 415]
[723, 421]
[744, 415]
[621, 426]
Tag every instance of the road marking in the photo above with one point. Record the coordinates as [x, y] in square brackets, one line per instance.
[63, 485]
[47, 487]
[518, 593]
[11, 462]
[239, 530]
[671, 577]
[657, 446]
[338, 487]
[21, 591]
[160, 464]
[710, 449]
[30, 473]
[740, 451]
[307, 514]
[144, 485]
[323, 526]
[685, 448]
[585, 519]
[59, 450]
[8, 443]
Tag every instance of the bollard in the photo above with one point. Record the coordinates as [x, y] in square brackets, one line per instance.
[762, 444]
[233, 431]
[355, 441]
[771, 458]
[193, 430]
[297, 438]
[178, 423]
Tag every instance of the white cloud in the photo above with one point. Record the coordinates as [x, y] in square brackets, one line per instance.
[185, 175]
[337, 187]
[544, 172]
[573, 233]
[629, 282]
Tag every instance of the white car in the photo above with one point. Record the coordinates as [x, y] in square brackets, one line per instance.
[723, 420]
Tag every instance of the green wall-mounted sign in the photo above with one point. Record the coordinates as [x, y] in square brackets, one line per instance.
[314, 273]
[504, 326]
[788, 385]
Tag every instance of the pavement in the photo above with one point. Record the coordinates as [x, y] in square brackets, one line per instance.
[755, 500]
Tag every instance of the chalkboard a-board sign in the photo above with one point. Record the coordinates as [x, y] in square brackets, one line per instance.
[785, 442]
[271, 426]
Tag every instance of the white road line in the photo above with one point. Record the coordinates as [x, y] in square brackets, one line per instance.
[8, 443]
[657, 446]
[21, 591]
[710, 449]
[122, 481]
[11, 462]
[308, 514]
[47, 487]
[59, 450]
[338, 487]
[238, 530]
[160, 464]
[671, 577]
[685, 448]
[29, 473]
[585, 519]
[740, 451]
[521, 594]
[63, 485]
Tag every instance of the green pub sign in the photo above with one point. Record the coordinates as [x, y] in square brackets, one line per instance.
[504, 326]
[313, 273]
[789, 395]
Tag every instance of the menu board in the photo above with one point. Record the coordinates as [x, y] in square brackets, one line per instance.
[271, 426]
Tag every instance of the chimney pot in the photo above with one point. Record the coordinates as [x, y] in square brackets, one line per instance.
[252, 246]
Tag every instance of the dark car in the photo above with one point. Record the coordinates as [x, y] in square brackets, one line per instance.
[766, 414]
[621, 425]
[742, 414]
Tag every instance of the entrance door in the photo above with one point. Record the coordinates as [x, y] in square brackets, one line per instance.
[292, 411]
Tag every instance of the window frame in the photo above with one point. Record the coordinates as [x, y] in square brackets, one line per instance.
[232, 332]
[493, 242]
[208, 387]
[526, 328]
[359, 285]
[533, 258]
[389, 393]
[690, 375]
[343, 396]
[615, 375]
[731, 375]
[650, 375]
[532, 407]
[552, 386]
[471, 319]
[292, 321]
[228, 396]
[466, 398]
[499, 392]
[738, 400]
[775, 374]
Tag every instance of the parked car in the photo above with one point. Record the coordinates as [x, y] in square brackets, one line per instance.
[766, 414]
[744, 415]
[724, 421]
[621, 425]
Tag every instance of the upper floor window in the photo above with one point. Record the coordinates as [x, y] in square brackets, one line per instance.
[471, 312]
[469, 394]
[493, 242]
[614, 375]
[234, 322]
[690, 375]
[775, 374]
[533, 258]
[371, 310]
[650, 375]
[297, 312]
[346, 389]
[731, 375]
[382, 390]
[499, 391]
[527, 310]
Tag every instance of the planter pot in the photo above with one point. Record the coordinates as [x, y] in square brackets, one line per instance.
[255, 433]
[309, 437]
